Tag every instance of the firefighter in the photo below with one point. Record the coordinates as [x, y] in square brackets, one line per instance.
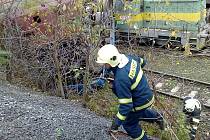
[192, 109]
[132, 89]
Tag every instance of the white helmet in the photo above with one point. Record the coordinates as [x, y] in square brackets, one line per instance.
[192, 104]
[108, 54]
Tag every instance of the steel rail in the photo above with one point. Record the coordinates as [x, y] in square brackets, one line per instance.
[177, 77]
[177, 97]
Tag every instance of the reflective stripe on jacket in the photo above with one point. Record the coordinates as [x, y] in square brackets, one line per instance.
[131, 87]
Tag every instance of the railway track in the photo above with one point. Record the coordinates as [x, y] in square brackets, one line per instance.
[186, 86]
[179, 50]
[180, 87]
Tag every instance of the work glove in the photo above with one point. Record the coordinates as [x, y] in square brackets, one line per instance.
[114, 127]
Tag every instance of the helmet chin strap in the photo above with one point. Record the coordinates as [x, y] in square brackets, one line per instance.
[123, 60]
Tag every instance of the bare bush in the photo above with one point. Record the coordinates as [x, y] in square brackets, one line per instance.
[52, 45]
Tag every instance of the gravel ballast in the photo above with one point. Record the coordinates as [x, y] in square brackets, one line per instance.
[25, 115]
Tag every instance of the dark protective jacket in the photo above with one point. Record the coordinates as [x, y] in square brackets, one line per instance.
[131, 87]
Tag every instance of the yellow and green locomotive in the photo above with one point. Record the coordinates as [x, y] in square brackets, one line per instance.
[182, 21]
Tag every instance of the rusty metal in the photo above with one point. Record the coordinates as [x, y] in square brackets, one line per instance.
[43, 18]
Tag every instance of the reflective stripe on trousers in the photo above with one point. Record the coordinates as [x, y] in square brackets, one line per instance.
[125, 100]
[145, 105]
[141, 136]
[121, 117]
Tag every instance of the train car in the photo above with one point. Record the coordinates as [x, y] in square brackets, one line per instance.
[39, 18]
[182, 21]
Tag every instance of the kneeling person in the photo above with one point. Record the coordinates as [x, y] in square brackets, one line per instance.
[132, 89]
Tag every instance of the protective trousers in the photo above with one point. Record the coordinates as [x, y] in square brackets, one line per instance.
[132, 126]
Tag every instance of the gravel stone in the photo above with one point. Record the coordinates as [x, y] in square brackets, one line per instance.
[159, 85]
[175, 89]
[208, 102]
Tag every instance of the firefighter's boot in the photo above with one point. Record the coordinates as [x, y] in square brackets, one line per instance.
[160, 122]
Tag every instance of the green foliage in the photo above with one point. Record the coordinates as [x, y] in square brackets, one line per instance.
[179, 129]
[3, 57]
[4, 53]
[30, 4]
[171, 83]
[151, 129]
[59, 133]
[104, 103]
[3, 61]
[166, 135]
[182, 131]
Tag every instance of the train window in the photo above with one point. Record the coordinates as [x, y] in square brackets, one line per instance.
[37, 19]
